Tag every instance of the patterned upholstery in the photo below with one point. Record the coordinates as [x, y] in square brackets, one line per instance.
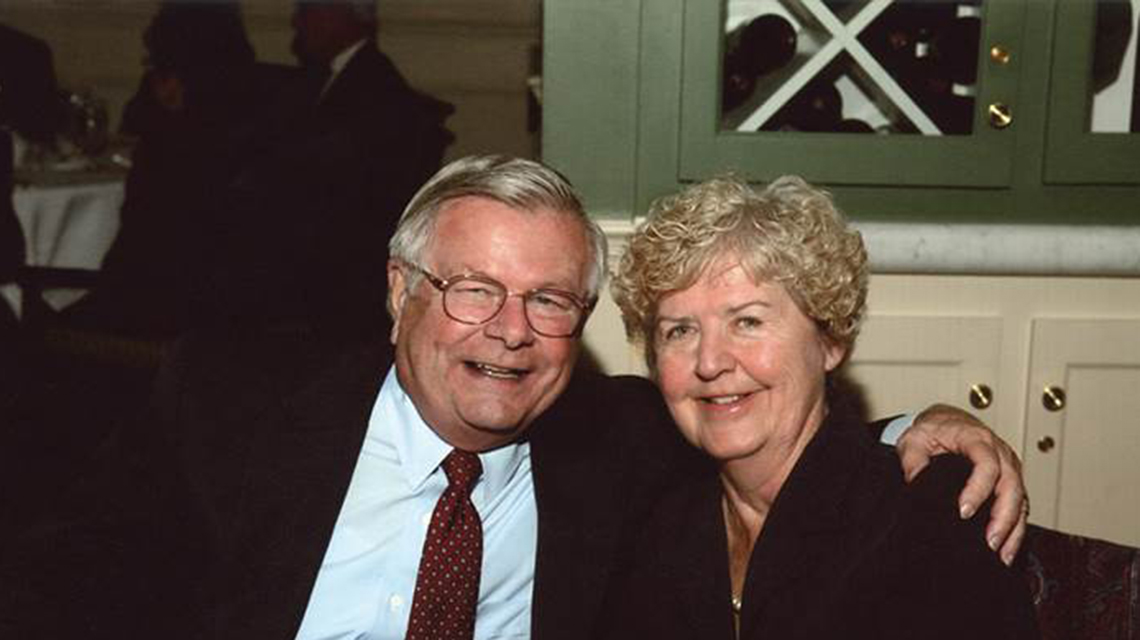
[1082, 587]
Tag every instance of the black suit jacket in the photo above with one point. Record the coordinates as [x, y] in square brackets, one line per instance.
[28, 101]
[219, 509]
[28, 105]
[310, 215]
[171, 219]
[847, 551]
[11, 235]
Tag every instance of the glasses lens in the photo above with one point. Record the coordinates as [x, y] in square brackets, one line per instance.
[473, 300]
[553, 313]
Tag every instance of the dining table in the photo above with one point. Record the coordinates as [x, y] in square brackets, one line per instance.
[69, 220]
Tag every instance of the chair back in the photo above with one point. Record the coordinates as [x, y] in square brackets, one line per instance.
[1082, 587]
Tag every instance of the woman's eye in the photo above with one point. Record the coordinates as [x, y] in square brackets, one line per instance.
[676, 332]
[749, 322]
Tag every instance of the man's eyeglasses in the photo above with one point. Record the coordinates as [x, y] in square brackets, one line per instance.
[475, 299]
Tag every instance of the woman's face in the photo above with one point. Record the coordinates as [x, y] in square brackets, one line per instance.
[741, 367]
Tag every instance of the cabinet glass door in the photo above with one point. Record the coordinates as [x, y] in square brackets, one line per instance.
[1094, 111]
[910, 92]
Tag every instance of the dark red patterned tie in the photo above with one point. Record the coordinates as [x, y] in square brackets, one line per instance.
[447, 586]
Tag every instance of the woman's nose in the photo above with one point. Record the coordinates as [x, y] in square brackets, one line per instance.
[713, 357]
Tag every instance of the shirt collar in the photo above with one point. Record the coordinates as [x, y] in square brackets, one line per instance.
[340, 61]
[396, 422]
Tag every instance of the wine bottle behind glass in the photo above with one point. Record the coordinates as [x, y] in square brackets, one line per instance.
[753, 50]
[854, 125]
[931, 50]
[953, 49]
[912, 40]
[900, 37]
[950, 70]
[818, 107]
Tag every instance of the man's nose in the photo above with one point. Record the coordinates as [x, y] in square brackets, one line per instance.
[510, 325]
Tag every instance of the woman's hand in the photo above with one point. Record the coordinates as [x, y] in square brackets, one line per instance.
[945, 429]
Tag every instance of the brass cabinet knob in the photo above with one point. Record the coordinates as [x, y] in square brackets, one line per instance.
[1046, 444]
[981, 396]
[1001, 116]
[999, 54]
[1053, 398]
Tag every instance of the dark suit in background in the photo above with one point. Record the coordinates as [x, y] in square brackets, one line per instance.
[30, 108]
[848, 550]
[313, 210]
[172, 213]
[194, 115]
[11, 236]
[28, 101]
[11, 257]
[214, 517]
[74, 391]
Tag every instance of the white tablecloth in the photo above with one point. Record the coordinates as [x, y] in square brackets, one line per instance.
[67, 225]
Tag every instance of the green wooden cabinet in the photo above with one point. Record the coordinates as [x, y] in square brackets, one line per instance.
[982, 158]
[1074, 153]
[633, 111]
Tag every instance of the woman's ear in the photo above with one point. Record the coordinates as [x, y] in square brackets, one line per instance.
[833, 353]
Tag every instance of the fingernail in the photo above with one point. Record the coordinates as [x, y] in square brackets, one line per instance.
[965, 510]
[993, 542]
[1007, 558]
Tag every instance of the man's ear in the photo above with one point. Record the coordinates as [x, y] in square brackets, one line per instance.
[397, 295]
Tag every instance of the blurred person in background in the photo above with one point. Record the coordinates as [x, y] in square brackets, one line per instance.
[29, 110]
[338, 158]
[193, 114]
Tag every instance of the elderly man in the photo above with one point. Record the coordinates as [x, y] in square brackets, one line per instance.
[467, 483]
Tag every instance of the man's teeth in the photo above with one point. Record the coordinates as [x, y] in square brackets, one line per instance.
[497, 372]
[723, 399]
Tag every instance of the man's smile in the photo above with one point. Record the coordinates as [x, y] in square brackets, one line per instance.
[494, 371]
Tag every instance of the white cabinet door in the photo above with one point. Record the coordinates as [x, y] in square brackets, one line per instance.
[1082, 455]
[906, 363]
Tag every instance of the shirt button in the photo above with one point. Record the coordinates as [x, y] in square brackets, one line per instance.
[426, 518]
[395, 603]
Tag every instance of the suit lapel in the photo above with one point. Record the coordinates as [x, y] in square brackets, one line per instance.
[369, 79]
[578, 478]
[301, 463]
[701, 568]
[807, 525]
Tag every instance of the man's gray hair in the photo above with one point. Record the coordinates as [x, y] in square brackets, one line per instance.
[523, 185]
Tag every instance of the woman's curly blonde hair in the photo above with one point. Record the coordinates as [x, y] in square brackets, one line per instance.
[789, 232]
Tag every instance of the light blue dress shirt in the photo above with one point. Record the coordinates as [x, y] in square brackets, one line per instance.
[367, 578]
[895, 428]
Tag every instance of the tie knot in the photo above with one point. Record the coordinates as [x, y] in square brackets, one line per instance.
[463, 469]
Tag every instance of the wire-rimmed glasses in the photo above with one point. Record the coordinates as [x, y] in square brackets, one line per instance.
[476, 299]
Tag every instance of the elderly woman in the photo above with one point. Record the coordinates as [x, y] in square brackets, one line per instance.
[747, 302]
